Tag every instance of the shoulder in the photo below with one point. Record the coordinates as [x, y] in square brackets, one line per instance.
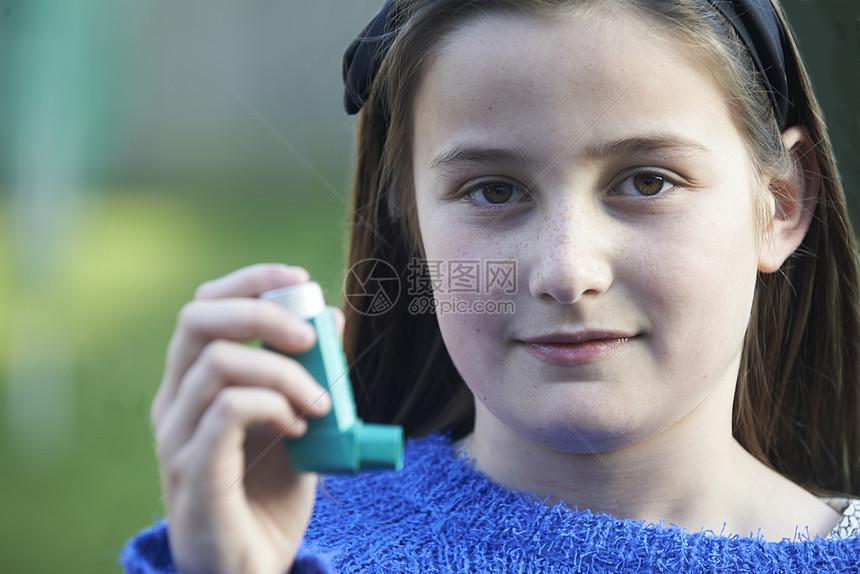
[778, 508]
[849, 521]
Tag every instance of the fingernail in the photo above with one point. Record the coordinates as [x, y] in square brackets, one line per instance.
[299, 427]
[298, 273]
[304, 335]
[322, 402]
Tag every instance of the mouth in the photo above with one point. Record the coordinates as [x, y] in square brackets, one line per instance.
[577, 348]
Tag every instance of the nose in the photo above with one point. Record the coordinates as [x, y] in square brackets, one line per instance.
[573, 253]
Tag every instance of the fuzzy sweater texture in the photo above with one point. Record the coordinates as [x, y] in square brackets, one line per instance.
[440, 515]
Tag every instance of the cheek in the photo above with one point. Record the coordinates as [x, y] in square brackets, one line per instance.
[474, 342]
[457, 256]
[468, 264]
[698, 281]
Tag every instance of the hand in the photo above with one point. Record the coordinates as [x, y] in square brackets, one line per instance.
[232, 501]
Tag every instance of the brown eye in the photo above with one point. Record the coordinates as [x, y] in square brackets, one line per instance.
[648, 183]
[497, 192]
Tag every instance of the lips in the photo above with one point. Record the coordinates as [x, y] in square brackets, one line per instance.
[577, 348]
[578, 337]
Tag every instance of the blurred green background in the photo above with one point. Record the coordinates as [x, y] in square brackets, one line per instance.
[130, 172]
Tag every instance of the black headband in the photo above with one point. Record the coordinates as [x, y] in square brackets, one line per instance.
[362, 59]
[759, 27]
[755, 21]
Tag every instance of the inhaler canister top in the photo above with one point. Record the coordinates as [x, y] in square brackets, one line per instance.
[304, 300]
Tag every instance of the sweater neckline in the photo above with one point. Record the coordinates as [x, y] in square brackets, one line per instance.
[847, 526]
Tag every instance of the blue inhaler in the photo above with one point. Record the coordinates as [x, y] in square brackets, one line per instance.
[339, 442]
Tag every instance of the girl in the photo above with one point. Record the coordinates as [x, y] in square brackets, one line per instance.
[676, 388]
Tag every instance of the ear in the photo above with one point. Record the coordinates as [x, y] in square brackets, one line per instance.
[794, 196]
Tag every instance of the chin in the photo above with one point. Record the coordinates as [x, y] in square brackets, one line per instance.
[593, 442]
[583, 432]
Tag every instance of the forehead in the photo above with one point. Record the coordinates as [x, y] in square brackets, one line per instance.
[551, 82]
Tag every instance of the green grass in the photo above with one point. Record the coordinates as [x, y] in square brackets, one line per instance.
[72, 492]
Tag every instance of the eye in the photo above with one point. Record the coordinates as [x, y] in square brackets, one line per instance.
[645, 183]
[495, 193]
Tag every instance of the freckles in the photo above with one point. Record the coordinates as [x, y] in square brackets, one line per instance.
[475, 360]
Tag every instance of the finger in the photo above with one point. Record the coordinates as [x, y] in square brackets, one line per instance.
[203, 321]
[251, 281]
[225, 364]
[339, 321]
[223, 428]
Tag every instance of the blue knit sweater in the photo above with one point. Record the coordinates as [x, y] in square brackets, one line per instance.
[440, 515]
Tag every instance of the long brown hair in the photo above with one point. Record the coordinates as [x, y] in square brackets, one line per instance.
[797, 400]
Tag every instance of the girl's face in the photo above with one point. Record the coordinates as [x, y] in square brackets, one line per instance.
[605, 165]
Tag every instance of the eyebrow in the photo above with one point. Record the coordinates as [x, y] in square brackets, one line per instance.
[672, 145]
[469, 154]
